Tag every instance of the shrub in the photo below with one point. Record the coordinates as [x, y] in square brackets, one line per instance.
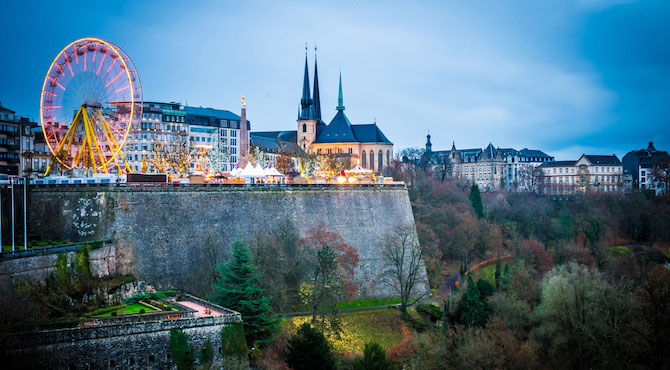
[182, 353]
[114, 313]
[430, 311]
[374, 358]
[142, 310]
[206, 354]
[308, 349]
[233, 342]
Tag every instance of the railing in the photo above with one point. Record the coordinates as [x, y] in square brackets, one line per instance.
[173, 187]
[50, 249]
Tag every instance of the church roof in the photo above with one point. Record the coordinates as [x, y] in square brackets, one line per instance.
[370, 134]
[338, 131]
[272, 141]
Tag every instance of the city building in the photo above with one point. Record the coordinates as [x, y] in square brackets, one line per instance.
[15, 132]
[214, 132]
[642, 165]
[162, 124]
[491, 168]
[590, 173]
[218, 133]
[363, 144]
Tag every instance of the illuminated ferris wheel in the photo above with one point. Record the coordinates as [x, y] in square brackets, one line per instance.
[91, 98]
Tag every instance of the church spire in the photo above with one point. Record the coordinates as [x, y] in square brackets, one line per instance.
[316, 95]
[306, 101]
[340, 104]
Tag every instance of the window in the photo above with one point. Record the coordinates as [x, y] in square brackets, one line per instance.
[364, 158]
[372, 160]
[351, 150]
[388, 157]
[380, 160]
[304, 127]
[233, 141]
[233, 133]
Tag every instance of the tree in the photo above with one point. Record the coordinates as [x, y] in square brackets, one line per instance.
[476, 200]
[308, 349]
[180, 158]
[206, 354]
[284, 161]
[237, 288]
[217, 158]
[404, 264]
[661, 174]
[160, 158]
[528, 178]
[332, 273]
[277, 253]
[584, 321]
[472, 310]
[374, 358]
[182, 352]
[233, 344]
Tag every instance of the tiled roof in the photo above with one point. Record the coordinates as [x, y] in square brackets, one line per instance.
[558, 164]
[532, 153]
[611, 160]
[217, 113]
[271, 141]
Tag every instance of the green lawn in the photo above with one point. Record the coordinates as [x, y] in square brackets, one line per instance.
[368, 303]
[488, 273]
[131, 309]
[382, 326]
[8, 248]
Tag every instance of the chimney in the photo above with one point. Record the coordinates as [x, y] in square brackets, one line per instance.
[244, 134]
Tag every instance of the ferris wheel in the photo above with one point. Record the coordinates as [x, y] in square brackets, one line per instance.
[91, 99]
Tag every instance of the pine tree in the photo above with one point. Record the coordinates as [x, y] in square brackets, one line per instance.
[308, 349]
[472, 310]
[476, 200]
[237, 289]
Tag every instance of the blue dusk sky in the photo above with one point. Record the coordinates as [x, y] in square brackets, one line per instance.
[566, 77]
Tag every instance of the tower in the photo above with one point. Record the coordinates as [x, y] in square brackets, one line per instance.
[316, 95]
[429, 145]
[306, 121]
[244, 134]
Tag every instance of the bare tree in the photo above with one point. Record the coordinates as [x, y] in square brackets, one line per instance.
[661, 174]
[528, 178]
[404, 265]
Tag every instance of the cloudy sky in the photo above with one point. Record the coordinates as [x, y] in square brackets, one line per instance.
[563, 76]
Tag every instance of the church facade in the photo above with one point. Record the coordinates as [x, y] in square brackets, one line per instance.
[363, 144]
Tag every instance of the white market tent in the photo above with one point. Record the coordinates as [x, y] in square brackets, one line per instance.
[236, 171]
[358, 170]
[258, 171]
[272, 172]
[247, 171]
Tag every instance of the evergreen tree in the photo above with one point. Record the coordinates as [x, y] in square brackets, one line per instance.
[237, 289]
[476, 200]
[206, 354]
[374, 358]
[308, 349]
[472, 310]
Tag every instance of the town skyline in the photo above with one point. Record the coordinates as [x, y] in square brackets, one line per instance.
[581, 95]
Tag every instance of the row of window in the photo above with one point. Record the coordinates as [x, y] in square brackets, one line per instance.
[9, 128]
[170, 118]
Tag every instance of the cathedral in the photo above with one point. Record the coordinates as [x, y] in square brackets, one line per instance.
[364, 144]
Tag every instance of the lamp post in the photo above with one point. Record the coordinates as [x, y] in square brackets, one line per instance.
[11, 185]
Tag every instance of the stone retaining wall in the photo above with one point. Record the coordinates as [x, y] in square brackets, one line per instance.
[175, 238]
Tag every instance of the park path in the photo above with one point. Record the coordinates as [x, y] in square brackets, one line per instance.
[452, 282]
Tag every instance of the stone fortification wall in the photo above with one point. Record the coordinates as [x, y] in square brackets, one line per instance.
[175, 237]
[104, 261]
[139, 345]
